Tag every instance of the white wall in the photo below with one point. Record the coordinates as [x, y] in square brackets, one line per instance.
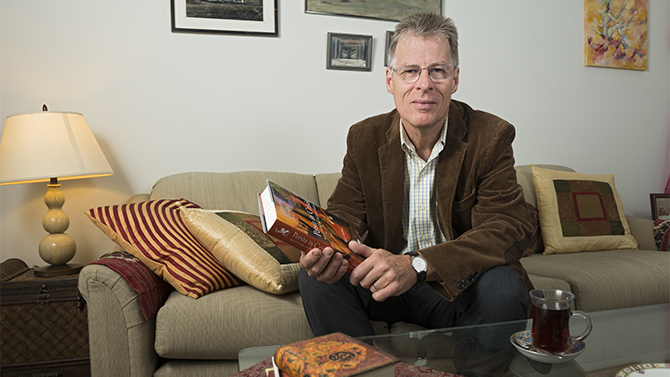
[162, 102]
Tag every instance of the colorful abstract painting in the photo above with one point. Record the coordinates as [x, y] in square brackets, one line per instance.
[615, 33]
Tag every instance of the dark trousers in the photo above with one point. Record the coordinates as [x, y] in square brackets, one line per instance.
[498, 295]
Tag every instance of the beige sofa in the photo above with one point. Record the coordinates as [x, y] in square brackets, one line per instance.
[202, 337]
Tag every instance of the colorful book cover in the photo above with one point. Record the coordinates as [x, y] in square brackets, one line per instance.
[333, 355]
[303, 224]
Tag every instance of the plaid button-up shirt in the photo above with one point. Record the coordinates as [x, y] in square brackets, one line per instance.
[419, 215]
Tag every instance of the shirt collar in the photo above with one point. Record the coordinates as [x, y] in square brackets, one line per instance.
[407, 145]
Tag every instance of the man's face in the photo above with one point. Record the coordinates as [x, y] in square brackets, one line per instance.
[423, 104]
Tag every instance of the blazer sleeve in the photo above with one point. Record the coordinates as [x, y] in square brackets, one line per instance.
[347, 199]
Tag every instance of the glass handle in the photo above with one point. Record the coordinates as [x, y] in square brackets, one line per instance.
[589, 326]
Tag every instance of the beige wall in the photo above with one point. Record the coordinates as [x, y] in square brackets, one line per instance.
[162, 102]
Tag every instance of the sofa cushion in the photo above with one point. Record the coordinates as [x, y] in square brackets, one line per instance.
[236, 239]
[218, 325]
[154, 232]
[325, 184]
[524, 176]
[610, 279]
[544, 282]
[643, 231]
[237, 191]
[580, 212]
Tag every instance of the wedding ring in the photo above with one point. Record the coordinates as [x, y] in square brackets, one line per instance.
[375, 285]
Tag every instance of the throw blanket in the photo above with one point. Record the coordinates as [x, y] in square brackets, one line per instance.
[151, 289]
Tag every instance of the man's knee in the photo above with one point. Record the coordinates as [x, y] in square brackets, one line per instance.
[502, 277]
[499, 295]
[503, 283]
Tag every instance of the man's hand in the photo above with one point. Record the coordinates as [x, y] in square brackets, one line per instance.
[383, 273]
[324, 265]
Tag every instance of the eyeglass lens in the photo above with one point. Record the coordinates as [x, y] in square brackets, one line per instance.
[411, 73]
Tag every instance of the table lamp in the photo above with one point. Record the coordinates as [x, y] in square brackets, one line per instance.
[45, 147]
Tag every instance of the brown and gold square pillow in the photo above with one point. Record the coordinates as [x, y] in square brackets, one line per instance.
[580, 212]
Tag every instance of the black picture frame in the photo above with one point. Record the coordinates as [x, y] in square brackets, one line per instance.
[387, 45]
[352, 52]
[254, 17]
[660, 206]
[386, 10]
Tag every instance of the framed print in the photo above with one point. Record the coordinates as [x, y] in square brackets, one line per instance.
[252, 17]
[660, 206]
[349, 52]
[615, 34]
[391, 10]
[389, 36]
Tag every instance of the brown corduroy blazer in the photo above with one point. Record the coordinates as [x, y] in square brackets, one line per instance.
[481, 207]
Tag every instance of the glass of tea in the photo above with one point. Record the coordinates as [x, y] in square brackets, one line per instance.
[552, 309]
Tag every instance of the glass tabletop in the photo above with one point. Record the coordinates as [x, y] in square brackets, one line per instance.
[620, 338]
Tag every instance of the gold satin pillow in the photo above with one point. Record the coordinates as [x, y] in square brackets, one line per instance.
[236, 239]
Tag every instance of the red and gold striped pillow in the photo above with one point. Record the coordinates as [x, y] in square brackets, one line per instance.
[155, 233]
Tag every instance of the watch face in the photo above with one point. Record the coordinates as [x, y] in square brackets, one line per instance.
[419, 264]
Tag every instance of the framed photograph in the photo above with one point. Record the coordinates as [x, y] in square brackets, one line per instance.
[660, 206]
[389, 36]
[252, 17]
[349, 52]
[390, 10]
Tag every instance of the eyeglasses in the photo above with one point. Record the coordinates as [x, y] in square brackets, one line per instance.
[411, 73]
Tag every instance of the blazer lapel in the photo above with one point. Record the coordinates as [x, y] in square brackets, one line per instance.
[392, 168]
[449, 166]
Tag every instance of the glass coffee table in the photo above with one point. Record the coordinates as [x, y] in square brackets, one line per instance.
[620, 338]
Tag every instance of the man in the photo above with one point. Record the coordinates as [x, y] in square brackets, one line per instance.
[432, 187]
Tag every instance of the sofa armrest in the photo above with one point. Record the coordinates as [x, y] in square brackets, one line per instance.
[643, 231]
[121, 341]
[138, 198]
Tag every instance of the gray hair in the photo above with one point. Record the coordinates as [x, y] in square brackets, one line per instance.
[426, 25]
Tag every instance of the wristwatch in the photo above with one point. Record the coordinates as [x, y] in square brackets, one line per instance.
[420, 266]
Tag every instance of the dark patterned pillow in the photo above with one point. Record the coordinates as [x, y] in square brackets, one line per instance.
[662, 234]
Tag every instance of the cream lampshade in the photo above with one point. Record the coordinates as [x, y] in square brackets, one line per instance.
[45, 147]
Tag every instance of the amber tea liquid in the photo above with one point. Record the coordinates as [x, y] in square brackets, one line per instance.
[551, 329]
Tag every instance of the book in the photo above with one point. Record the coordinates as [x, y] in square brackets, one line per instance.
[303, 224]
[333, 355]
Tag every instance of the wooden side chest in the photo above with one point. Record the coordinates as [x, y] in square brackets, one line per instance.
[43, 332]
